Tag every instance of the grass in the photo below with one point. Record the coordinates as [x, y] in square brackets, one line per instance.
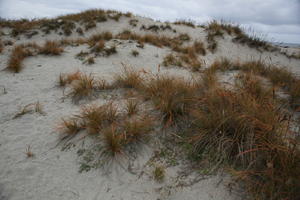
[82, 87]
[159, 173]
[69, 126]
[114, 141]
[90, 60]
[131, 107]
[94, 117]
[137, 130]
[128, 78]
[170, 95]
[170, 59]
[186, 23]
[30, 108]
[28, 152]
[19, 53]
[135, 53]
[65, 79]
[51, 48]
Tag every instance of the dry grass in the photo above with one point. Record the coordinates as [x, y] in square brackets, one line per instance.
[170, 59]
[128, 78]
[65, 79]
[94, 118]
[19, 53]
[82, 87]
[98, 47]
[90, 61]
[137, 130]
[51, 48]
[170, 95]
[131, 107]
[159, 173]
[69, 126]
[186, 23]
[135, 53]
[250, 135]
[28, 152]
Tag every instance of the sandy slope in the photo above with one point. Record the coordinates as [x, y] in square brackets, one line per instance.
[52, 173]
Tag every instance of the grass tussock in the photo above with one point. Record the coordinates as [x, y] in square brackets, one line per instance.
[251, 136]
[128, 78]
[131, 107]
[170, 95]
[18, 54]
[65, 79]
[51, 48]
[185, 23]
[82, 87]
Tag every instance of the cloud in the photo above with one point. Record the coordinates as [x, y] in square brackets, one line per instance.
[277, 18]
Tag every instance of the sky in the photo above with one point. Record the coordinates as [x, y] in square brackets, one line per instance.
[274, 20]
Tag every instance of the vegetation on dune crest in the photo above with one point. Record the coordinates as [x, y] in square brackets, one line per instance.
[245, 127]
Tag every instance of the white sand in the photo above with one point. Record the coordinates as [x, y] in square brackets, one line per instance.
[52, 173]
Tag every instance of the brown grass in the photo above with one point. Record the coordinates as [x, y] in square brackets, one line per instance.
[65, 79]
[19, 53]
[82, 87]
[186, 23]
[69, 126]
[51, 48]
[94, 118]
[137, 130]
[131, 107]
[128, 78]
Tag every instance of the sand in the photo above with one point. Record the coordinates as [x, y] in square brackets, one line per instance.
[54, 174]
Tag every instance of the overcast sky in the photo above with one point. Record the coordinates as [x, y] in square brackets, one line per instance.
[278, 20]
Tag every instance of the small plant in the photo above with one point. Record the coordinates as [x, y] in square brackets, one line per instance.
[159, 173]
[131, 107]
[137, 130]
[81, 55]
[170, 59]
[28, 152]
[19, 53]
[99, 47]
[113, 142]
[90, 61]
[65, 79]
[79, 31]
[135, 53]
[128, 78]
[51, 48]
[69, 126]
[94, 118]
[83, 87]
[89, 25]
[110, 50]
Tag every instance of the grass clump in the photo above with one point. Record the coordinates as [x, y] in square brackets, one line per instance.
[131, 107]
[170, 59]
[95, 118]
[51, 48]
[82, 87]
[19, 53]
[159, 174]
[135, 53]
[185, 22]
[128, 78]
